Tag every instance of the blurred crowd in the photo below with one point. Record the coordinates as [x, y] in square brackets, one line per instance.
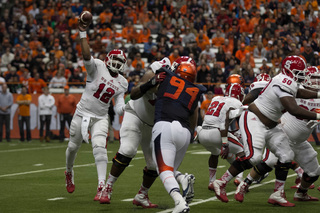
[40, 43]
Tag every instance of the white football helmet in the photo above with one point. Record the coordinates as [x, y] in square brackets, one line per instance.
[115, 60]
[294, 67]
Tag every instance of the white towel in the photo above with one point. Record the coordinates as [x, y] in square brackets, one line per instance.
[84, 128]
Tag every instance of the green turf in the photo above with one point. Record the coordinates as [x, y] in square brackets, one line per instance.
[32, 173]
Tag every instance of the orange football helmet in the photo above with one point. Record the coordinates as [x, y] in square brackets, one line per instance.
[187, 71]
[235, 78]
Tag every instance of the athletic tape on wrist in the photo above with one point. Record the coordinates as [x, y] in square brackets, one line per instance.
[83, 34]
[224, 140]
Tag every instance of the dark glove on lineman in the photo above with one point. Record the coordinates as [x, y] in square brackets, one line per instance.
[155, 80]
[224, 151]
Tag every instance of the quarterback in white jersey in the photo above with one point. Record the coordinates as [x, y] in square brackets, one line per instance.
[259, 126]
[136, 130]
[103, 84]
[214, 134]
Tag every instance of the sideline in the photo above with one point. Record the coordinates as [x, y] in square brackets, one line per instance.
[229, 193]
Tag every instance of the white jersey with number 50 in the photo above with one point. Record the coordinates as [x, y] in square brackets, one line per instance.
[217, 111]
[101, 87]
[269, 102]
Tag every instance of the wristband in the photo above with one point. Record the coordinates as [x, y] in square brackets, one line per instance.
[83, 34]
[318, 116]
[318, 94]
[225, 140]
[146, 86]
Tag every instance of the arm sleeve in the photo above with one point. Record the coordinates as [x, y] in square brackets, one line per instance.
[41, 103]
[90, 67]
[119, 106]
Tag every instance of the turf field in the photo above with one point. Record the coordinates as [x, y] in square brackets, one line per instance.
[32, 180]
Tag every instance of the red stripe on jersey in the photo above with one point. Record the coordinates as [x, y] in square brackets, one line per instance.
[267, 155]
[235, 142]
[249, 136]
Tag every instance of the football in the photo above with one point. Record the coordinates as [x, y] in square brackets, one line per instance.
[85, 18]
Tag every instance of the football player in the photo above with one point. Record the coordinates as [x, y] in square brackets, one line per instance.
[259, 125]
[103, 84]
[176, 114]
[298, 131]
[136, 130]
[214, 134]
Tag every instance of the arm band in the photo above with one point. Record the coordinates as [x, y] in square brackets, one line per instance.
[225, 139]
[146, 86]
[318, 116]
[318, 94]
[82, 34]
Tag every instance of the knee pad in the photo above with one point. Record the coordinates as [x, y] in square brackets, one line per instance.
[121, 160]
[150, 173]
[281, 170]
[100, 154]
[309, 179]
[262, 168]
[73, 147]
[242, 164]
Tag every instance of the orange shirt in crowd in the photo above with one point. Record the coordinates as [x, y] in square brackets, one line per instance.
[73, 23]
[241, 54]
[34, 44]
[66, 104]
[247, 27]
[36, 86]
[105, 17]
[217, 42]
[135, 61]
[24, 110]
[126, 31]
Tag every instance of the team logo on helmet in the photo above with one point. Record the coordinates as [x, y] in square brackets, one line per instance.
[187, 71]
[235, 91]
[115, 60]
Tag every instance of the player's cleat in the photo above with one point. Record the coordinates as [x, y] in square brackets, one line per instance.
[99, 192]
[304, 197]
[237, 181]
[219, 187]
[279, 198]
[298, 185]
[187, 187]
[143, 200]
[106, 195]
[69, 181]
[242, 189]
[181, 206]
[261, 178]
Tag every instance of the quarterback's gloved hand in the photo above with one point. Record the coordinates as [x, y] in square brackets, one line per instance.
[224, 151]
[155, 80]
